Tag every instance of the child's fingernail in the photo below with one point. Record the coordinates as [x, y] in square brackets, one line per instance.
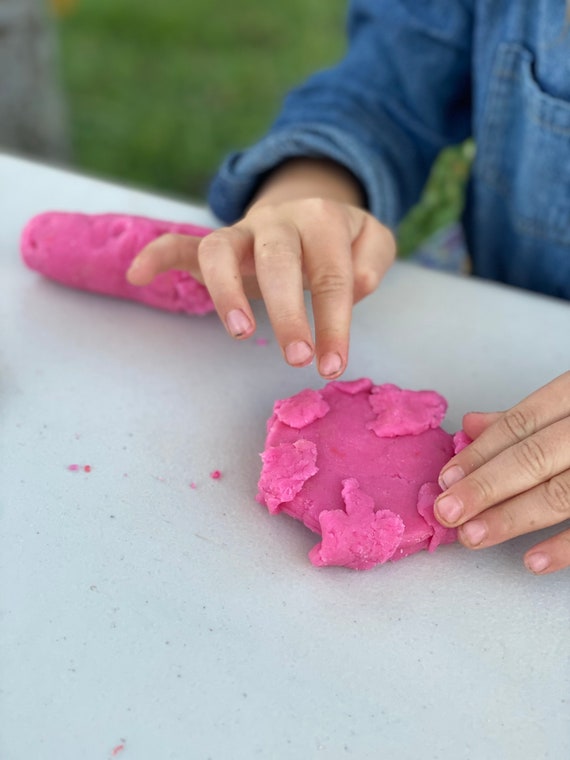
[474, 532]
[449, 508]
[238, 323]
[538, 562]
[330, 364]
[298, 353]
[449, 477]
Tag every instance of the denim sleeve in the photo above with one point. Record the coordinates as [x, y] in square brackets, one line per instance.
[401, 94]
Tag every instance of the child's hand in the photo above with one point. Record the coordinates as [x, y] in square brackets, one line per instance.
[515, 477]
[336, 250]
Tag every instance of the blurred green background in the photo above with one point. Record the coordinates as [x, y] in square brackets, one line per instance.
[159, 92]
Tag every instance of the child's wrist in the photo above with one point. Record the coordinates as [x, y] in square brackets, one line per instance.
[309, 178]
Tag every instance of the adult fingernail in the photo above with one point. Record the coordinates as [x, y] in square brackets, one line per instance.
[298, 353]
[238, 323]
[330, 364]
[450, 476]
[474, 532]
[449, 508]
[538, 562]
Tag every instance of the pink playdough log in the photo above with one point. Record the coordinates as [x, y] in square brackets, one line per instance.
[94, 251]
[358, 464]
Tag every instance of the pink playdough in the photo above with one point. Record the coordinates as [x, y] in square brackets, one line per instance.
[358, 464]
[94, 252]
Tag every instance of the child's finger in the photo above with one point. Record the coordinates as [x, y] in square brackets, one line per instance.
[329, 271]
[278, 264]
[170, 251]
[373, 252]
[220, 255]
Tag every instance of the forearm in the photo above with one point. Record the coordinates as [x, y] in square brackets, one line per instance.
[310, 178]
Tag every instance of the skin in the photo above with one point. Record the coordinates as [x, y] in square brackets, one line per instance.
[514, 478]
[307, 229]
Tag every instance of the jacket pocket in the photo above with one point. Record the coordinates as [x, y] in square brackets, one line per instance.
[523, 150]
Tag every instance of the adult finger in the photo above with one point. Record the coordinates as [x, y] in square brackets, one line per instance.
[519, 468]
[474, 423]
[170, 251]
[220, 256]
[543, 407]
[540, 507]
[550, 555]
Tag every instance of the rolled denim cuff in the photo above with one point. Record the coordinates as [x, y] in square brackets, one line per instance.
[241, 173]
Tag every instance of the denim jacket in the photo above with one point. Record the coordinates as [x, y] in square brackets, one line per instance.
[419, 76]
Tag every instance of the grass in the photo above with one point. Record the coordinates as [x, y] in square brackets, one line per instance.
[159, 93]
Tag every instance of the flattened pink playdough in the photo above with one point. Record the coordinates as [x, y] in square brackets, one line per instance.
[94, 251]
[358, 464]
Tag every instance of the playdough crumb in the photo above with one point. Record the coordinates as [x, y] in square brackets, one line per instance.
[77, 467]
[358, 464]
[261, 342]
[216, 475]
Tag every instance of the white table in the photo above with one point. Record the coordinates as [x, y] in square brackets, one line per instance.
[144, 619]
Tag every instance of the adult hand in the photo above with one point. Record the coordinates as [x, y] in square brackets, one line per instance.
[514, 478]
[335, 249]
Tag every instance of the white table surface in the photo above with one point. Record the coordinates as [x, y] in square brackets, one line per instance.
[143, 619]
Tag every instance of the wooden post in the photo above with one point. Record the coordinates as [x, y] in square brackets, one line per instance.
[32, 111]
